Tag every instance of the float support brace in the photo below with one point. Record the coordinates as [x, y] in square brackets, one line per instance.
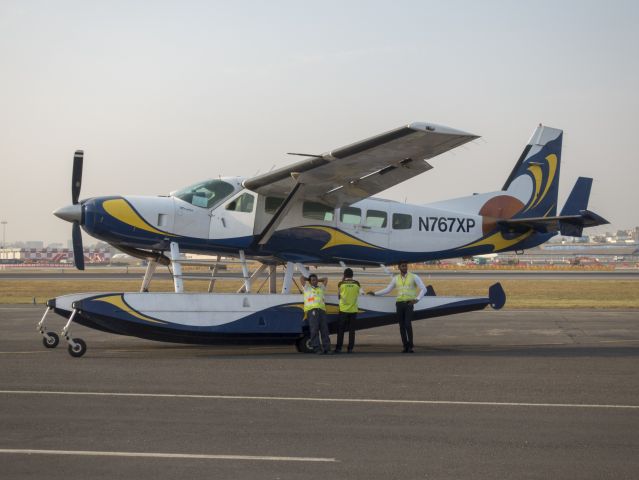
[178, 282]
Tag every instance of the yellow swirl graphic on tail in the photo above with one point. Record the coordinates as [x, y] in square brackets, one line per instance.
[552, 169]
[537, 174]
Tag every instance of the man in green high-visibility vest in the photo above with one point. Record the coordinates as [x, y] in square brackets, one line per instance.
[315, 310]
[406, 285]
[348, 292]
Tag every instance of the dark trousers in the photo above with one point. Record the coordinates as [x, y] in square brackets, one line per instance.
[318, 327]
[405, 319]
[346, 321]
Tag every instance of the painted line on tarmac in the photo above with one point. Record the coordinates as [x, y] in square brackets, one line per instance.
[164, 455]
[31, 352]
[26, 307]
[316, 399]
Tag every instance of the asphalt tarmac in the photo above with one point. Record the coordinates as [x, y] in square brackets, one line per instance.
[508, 394]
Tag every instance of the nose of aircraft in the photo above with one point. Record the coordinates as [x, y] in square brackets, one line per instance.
[70, 213]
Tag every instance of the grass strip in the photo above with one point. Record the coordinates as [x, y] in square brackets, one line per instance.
[521, 293]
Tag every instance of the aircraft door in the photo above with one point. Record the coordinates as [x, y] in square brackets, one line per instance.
[234, 218]
[403, 227]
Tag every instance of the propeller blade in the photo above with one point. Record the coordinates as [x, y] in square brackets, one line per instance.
[76, 178]
[78, 250]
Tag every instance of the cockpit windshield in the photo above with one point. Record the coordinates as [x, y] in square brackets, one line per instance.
[206, 194]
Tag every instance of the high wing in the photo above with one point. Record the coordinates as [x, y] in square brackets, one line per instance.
[357, 171]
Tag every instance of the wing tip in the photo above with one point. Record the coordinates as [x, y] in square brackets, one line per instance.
[441, 129]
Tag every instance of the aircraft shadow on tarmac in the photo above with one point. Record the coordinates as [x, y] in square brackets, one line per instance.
[370, 352]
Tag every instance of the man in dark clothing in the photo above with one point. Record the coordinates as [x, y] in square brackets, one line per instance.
[348, 291]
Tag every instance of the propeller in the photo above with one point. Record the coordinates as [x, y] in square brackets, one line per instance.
[76, 178]
[76, 233]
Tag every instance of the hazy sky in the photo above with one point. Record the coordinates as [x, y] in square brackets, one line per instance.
[163, 94]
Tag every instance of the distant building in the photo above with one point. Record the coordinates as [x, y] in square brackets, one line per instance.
[53, 255]
[34, 244]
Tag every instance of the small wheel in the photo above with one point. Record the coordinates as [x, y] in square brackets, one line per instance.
[303, 345]
[79, 349]
[51, 341]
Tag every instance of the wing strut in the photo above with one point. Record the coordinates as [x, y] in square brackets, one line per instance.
[279, 215]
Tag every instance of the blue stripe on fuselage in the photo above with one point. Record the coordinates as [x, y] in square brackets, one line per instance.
[297, 244]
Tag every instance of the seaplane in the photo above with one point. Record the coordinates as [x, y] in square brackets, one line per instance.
[318, 211]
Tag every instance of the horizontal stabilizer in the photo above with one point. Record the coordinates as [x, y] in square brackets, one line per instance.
[574, 217]
[574, 228]
[569, 225]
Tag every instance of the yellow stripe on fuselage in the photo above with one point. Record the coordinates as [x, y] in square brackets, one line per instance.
[338, 238]
[120, 209]
[498, 241]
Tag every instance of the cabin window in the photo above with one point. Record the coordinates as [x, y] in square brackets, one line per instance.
[243, 203]
[350, 215]
[317, 211]
[206, 194]
[271, 204]
[401, 221]
[376, 218]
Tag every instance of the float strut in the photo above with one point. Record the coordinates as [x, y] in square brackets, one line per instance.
[176, 266]
[288, 277]
[148, 275]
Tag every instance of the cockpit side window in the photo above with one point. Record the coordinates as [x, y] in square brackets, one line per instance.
[243, 203]
[206, 194]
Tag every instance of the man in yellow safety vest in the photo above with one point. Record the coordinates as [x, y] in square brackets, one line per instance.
[349, 290]
[406, 285]
[315, 310]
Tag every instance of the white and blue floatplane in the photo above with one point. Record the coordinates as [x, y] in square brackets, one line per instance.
[319, 211]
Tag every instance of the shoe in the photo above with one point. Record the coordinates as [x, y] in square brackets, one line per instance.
[328, 352]
[337, 351]
[317, 351]
[410, 350]
[405, 350]
[350, 350]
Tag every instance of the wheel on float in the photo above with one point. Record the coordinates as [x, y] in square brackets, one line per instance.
[51, 341]
[79, 349]
[303, 344]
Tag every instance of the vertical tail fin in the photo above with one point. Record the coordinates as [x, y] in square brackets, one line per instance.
[578, 198]
[535, 178]
[577, 207]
